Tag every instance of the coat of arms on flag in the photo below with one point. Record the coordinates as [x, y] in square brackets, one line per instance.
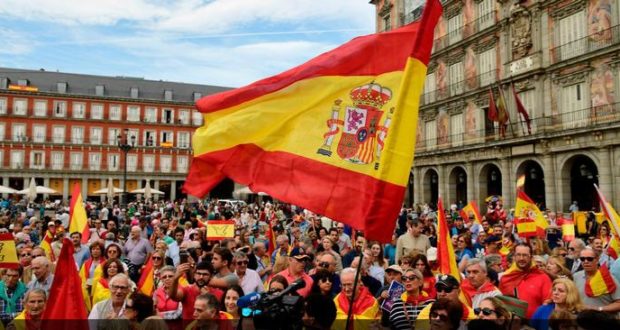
[362, 137]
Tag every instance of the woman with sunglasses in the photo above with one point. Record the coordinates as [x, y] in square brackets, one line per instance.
[158, 263]
[101, 288]
[165, 306]
[405, 311]
[323, 283]
[420, 262]
[445, 314]
[493, 309]
[564, 299]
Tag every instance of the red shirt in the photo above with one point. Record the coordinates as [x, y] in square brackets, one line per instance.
[190, 292]
[305, 290]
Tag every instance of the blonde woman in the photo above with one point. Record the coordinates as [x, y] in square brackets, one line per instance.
[565, 301]
[556, 268]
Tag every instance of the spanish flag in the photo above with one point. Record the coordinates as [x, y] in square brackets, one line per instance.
[525, 208]
[472, 208]
[613, 248]
[365, 310]
[8, 252]
[335, 135]
[445, 250]
[46, 245]
[78, 221]
[220, 229]
[601, 283]
[146, 284]
[568, 228]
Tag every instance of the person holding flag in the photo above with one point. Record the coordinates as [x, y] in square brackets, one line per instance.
[597, 287]
[365, 309]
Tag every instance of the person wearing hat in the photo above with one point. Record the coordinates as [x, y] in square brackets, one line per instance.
[392, 273]
[364, 310]
[477, 285]
[296, 270]
[518, 312]
[447, 287]
[405, 310]
[413, 240]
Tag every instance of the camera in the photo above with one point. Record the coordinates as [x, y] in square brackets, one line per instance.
[276, 310]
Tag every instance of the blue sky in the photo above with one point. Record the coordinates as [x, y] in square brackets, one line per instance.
[218, 42]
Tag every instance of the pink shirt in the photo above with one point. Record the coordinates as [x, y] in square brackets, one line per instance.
[304, 291]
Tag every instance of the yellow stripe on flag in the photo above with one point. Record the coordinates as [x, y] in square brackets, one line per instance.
[217, 230]
[8, 252]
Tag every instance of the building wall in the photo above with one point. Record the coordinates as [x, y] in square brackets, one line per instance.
[561, 58]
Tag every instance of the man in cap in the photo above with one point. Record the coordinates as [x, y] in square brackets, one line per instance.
[392, 273]
[413, 240]
[296, 270]
[448, 287]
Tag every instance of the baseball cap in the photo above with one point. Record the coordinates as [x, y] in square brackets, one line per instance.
[299, 254]
[395, 268]
[492, 239]
[447, 280]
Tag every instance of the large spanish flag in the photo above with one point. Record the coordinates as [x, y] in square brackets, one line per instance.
[445, 250]
[613, 248]
[78, 220]
[525, 208]
[334, 135]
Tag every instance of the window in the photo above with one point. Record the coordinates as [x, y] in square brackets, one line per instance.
[58, 134]
[184, 117]
[574, 106]
[96, 111]
[133, 92]
[96, 135]
[3, 106]
[150, 137]
[77, 134]
[2, 129]
[60, 108]
[115, 112]
[19, 132]
[456, 129]
[20, 107]
[40, 108]
[76, 160]
[17, 159]
[430, 130]
[487, 66]
[38, 133]
[197, 96]
[165, 163]
[150, 115]
[94, 161]
[100, 90]
[37, 159]
[183, 140]
[572, 33]
[58, 160]
[429, 88]
[168, 95]
[133, 113]
[62, 87]
[167, 139]
[113, 162]
[113, 134]
[167, 116]
[148, 163]
[486, 14]
[23, 82]
[134, 132]
[454, 28]
[132, 163]
[456, 78]
[197, 118]
[79, 110]
[182, 164]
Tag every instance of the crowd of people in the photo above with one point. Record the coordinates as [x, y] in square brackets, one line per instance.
[284, 261]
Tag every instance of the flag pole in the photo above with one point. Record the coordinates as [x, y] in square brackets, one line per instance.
[357, 278]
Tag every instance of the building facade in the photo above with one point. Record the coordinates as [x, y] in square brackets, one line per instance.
[62, 128]
[560, 58]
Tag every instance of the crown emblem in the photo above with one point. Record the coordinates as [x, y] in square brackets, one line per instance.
[370, 96]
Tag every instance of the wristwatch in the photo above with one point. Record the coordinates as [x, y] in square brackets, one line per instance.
[600, 308]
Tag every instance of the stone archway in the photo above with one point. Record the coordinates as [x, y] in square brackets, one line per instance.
[534, 181]
[579, 174]
[457, 187]
[489, 181]
[430, 186]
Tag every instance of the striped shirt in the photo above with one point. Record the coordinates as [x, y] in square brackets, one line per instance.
[401, 319]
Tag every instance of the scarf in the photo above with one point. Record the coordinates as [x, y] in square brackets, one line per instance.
[11, 303]
[362, 303]
[600, 284]
[415, 300]
[470, 291]
[514, 276]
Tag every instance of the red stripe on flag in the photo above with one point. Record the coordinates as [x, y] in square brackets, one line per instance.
[353, 198]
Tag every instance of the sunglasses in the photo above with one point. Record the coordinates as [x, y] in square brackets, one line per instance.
[442, 288]
[156, 258]
[484, 311]
[240, 263]
[324, 264]
[588, 259]
[26, 255]
[409, 278]
[167, 276]
[441, 317]
[563, 254]
[325, 279]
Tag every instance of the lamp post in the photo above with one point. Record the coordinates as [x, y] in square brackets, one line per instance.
[125, 145]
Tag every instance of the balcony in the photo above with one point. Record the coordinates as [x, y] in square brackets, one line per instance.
[467, 30]
[98, 167]
[476, 82]
[593, 42]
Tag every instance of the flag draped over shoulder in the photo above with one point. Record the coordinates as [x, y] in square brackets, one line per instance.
[66, 300]
[146, 284]
[601, 283]
[335, 135]
[525, 208]
[77, 214]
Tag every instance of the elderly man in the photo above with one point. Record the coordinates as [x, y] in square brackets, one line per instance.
[296, 270]
[98, 232]
[42, 273]
[447, 288]
[284, 249]
[477, 285]
[597, 288]
[137, 249]
[370, 282]
[365, 307]
[413, 240]
[114, 307]
[207, 314]
[34, 305]
[574, 249]
[328, 262]
[12, 292]
[249, 280]
[525, 281]
[263, 266]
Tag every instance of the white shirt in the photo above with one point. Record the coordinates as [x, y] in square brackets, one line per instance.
[251, 282]
[104, 312]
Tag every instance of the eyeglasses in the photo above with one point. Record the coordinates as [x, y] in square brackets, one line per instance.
[118, 287]
[588, 259]
[420, 264]
[324, 264]
[563, 254]
[156, 258]
[26, 255]
[37, 255]
[409, 278]
[571, 249]
[326, 279]
[484, 311]
[441, 317]
[166, 276]
[242, 262]
[443, 288]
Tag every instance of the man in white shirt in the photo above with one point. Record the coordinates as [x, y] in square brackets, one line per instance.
[249, 280]
[114, 307]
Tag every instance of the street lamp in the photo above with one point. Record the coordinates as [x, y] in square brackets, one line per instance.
[125, 145]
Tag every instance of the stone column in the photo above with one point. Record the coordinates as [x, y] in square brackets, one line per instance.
[471, 186]
[84, 187]
[104, 184]
[156, 186]
[551, 199]
[173, 190]
[5, 182]
[65, 189]
[418, 187]
[442, 185]
[507, 183]
[46, 182]
[604, 174]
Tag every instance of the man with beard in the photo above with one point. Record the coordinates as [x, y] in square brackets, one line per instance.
[360, 244]
[187, 294]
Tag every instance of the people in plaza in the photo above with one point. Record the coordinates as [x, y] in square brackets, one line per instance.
[420, 262]
[137, 249]
[229, 302]
[448, 287]
[445, 314]
[493, 309]
[81, 252]
[573, 263]
[326, 263]
[565, 303]
[249, 279]
[208, 315]
[166, 307]
[296, 270]
[413, 240]
[31, 317]
[101, 287]
[43, 277]
[112, 308]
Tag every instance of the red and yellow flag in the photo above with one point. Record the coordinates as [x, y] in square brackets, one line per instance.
[472, 208]
[445, 250]
[525, 208]
[46, 245]
[601, 283]
[335, 135]
[146, 284]
[8, 252]
[78, 220]
[220, 229]
[568, 228]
